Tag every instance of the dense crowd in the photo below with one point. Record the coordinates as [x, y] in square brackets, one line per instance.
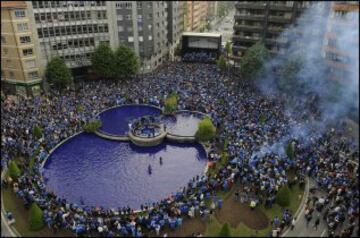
[201, 56]
[255, 156]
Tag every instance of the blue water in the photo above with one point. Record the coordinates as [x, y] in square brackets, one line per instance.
[185, 124]
[115, 174]
[115, 121]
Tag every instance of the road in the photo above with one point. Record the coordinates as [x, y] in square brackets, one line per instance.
[224, 27]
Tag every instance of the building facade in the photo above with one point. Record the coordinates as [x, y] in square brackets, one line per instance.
[70, 29]
[20, 57]
[196, 15]
[338, 50]
[264, 20]
[143, 26]
[175, 24]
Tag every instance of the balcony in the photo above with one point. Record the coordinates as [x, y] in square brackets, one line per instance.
[280, 7]
[279, 19]
[249, 17]
[279, 41]
[248, 28]
[237, 38]
[250, 5]
[274, 29]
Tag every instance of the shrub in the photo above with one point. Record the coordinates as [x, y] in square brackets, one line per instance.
[289, 150]
[283, 196]
[206, 130]
[92, 126]
[37, 132]
[14, 171]
[58, 73]
[171, 103]
[36, 217]
[262, 119]
[225, 231]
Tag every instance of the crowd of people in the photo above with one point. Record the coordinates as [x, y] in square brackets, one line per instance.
[255, 160]
[201, 56]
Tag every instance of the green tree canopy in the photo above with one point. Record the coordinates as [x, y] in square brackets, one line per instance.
[225, 231]
[92, 126]
[103, 62]
[171, 103]
[37, 132]
[221, 63]
[126, 62]
[58, 73]
[251, 64]
[283, 196]
[288, 71]
[36, 217]
[228, 47]
[206, 130]
[14, 171]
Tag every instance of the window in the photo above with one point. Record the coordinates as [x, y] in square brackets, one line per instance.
[33, 75]
[120, 17]
[37, 18]
[128, 17]
[27, 52]
[131, 39]
[8, 63]
[150, 37]
[5, 50]
[139, 5]
[139, 18]
[128, 5]
[141, 39]
[11, 74]
[19, 13]
[3, 40]
[30, 64]
[120, 28]
[129, 29]
[25, 39]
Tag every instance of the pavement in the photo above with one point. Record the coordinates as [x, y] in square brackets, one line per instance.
[301, 230]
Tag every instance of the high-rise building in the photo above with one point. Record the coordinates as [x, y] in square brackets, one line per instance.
[196, 15]
[143, 26]
[70, 29]
[341, 38]
[20, 66]
[175, 24]
[264, 20]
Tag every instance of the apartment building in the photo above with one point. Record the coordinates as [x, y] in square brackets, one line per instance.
[175, 24]
[70, 29]
[341, 37]
[20, 66]
[143, 26]
[196, 15]
[264, 20]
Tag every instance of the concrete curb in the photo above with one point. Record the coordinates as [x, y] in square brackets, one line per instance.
[301, 207]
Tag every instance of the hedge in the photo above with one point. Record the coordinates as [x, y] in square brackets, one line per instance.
[36, 217]
[14, 171]
[92, 126]
[283, 196]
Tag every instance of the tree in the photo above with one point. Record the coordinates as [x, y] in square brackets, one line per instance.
[283, 196]
[103, 61]
[58, 73]
[221, 63]
[288, 72]
[228, 48]
[37, 132]
[225, 231]
[126, 62]
[171, 103]
[251, 64]
[92, 126]
[177, 51]
[14, 171]
[36, 217]
[289, 150]
[206, 130]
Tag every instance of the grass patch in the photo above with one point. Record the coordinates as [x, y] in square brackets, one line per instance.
[21, 215]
